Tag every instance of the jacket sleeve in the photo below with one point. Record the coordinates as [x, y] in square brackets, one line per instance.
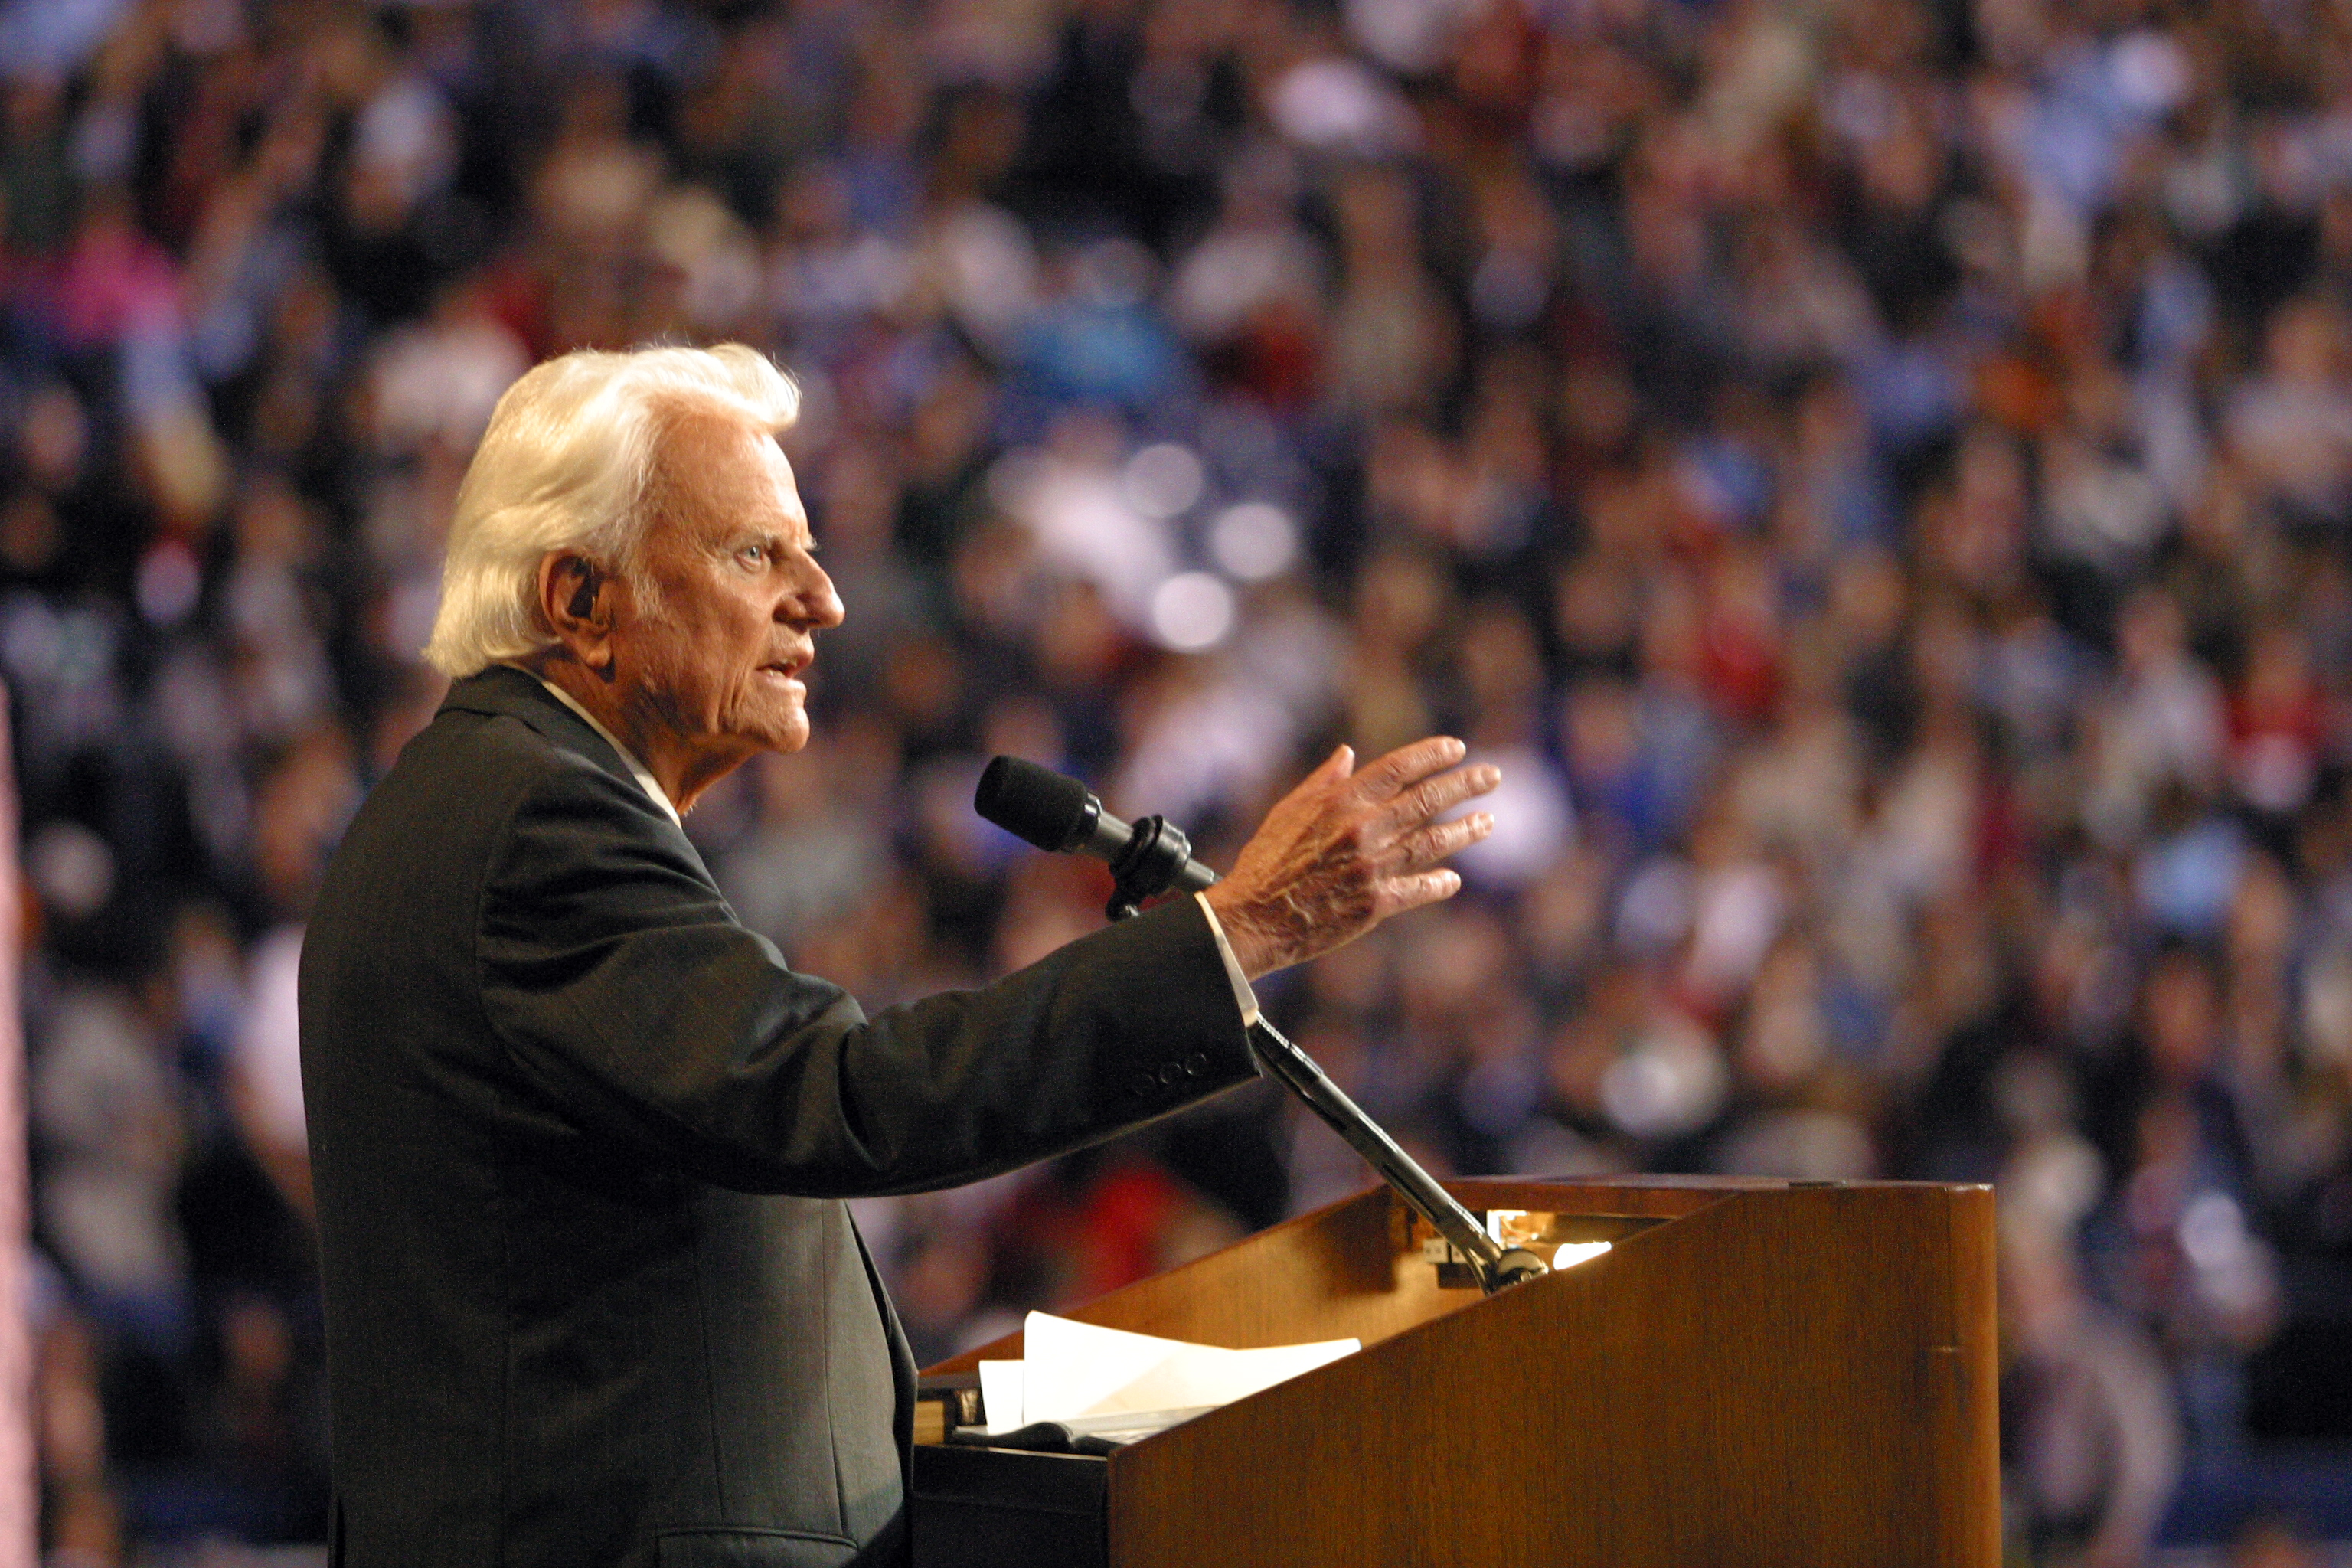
[623, 988]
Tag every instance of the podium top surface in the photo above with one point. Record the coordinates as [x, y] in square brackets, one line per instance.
[1357, 1267]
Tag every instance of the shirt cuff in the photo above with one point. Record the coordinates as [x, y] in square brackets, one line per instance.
[1243, 997]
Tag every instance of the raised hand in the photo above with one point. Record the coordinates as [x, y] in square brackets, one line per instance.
[1345, 850]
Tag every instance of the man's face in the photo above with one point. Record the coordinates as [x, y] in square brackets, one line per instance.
[711, 667]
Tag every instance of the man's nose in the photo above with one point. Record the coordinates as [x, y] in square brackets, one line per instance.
[812, 602]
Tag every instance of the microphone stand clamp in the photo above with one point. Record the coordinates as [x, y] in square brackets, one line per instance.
[1148, 865]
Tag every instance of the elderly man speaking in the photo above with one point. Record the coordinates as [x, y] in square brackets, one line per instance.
[580, 1138]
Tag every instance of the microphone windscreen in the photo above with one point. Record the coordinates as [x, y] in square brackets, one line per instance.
[1032, 803]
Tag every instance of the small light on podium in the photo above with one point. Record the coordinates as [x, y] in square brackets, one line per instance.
[1561, 1240]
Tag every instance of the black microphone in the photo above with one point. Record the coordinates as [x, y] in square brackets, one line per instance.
[1062, 814]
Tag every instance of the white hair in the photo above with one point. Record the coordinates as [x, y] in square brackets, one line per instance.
[568, 463]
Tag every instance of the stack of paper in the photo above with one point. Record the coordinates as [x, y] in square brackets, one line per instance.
[1077, 1373]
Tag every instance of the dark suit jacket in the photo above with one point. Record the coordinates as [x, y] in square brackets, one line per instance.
[580, 1140]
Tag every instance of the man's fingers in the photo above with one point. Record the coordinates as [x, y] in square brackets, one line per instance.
[1310, 796]
[1409, 765]
[1399, 894]
[1428, 846]
[1435, 796]
[1332, 772]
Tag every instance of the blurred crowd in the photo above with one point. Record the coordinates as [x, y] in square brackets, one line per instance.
[1877, 475]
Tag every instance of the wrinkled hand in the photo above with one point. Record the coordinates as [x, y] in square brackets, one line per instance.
[1345, 850]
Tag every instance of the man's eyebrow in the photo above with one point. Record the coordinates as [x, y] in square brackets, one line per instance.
[777, 539]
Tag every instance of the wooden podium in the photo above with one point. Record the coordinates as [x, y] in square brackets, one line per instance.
[1757, 1372]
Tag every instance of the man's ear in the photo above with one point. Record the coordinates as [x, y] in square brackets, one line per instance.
[575, 599]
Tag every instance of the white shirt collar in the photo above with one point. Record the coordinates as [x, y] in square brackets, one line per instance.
[642, 774]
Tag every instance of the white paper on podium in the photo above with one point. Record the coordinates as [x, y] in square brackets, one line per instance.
[1071, 1369]
[1001, 1394]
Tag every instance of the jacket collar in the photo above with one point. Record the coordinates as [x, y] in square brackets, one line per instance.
[503, 691]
